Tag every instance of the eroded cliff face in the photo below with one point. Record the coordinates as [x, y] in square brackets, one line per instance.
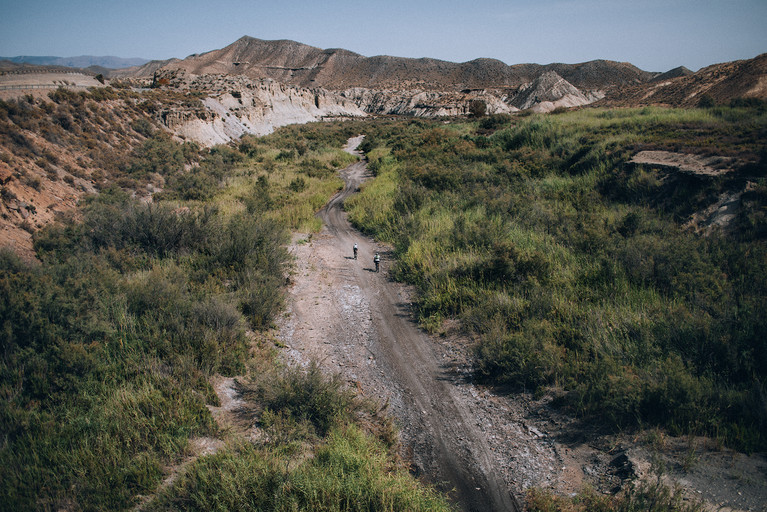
[238, 105]
[424, 103]
[235, 105]
[550, 91]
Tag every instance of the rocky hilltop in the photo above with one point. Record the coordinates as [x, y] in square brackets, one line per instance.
[301, 65]
[385, 85]
[388, 85]
[715, 84]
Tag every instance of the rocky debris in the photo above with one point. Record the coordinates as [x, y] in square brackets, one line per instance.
[624, 467]
[719, 215]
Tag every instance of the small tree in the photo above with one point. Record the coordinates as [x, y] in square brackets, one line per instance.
[706, 101]
[477, 108]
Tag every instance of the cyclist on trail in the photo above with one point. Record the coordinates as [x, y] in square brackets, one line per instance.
[377, 260]
[355, 251]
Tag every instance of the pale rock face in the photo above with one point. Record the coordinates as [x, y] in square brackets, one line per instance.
[548, 92]
[236, 107]
[423, 103]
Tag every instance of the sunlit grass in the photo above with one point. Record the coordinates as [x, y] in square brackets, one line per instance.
[571, 265]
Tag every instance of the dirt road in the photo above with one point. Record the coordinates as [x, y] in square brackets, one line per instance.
[352, 319]
[483, 448]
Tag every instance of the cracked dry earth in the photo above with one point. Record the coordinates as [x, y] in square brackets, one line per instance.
[483, 448]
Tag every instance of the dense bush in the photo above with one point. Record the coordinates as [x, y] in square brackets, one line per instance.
[160, 154]
[570, 265]
[304, 395]
[347, 473]
[109, 342]
[314, 456]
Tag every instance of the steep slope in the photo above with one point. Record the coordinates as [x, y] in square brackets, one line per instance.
[547, 92]
[57, 149]
[337, 69]
[719, 82]
[236, 105]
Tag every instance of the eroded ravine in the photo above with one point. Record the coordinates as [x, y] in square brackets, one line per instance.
[356, 321]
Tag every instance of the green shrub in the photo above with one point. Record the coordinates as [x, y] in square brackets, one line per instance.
[305, 395]
[109, 343]
[571, 267]
[347, 473]
[494, 121]
[160, 154]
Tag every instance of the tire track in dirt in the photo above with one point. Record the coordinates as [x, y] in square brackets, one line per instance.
[350, 318]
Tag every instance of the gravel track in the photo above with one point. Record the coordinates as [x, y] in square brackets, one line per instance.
[357, 322]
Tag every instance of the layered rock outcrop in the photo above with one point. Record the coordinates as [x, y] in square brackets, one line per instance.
[318, 84]
[550, 91]
[424, 103]
[236, 105]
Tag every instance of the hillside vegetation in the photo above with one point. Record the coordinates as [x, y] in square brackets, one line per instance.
[111, 339]
[570, 267]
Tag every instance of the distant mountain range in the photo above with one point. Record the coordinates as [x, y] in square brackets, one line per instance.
[83, 61]
[301, 65]
[429, 87]
[385, 84]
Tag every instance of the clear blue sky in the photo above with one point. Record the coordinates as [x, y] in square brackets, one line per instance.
[655, 35]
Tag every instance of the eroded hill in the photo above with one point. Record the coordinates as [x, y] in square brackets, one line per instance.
[298, 64]
[715, 84]
[395, 85]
